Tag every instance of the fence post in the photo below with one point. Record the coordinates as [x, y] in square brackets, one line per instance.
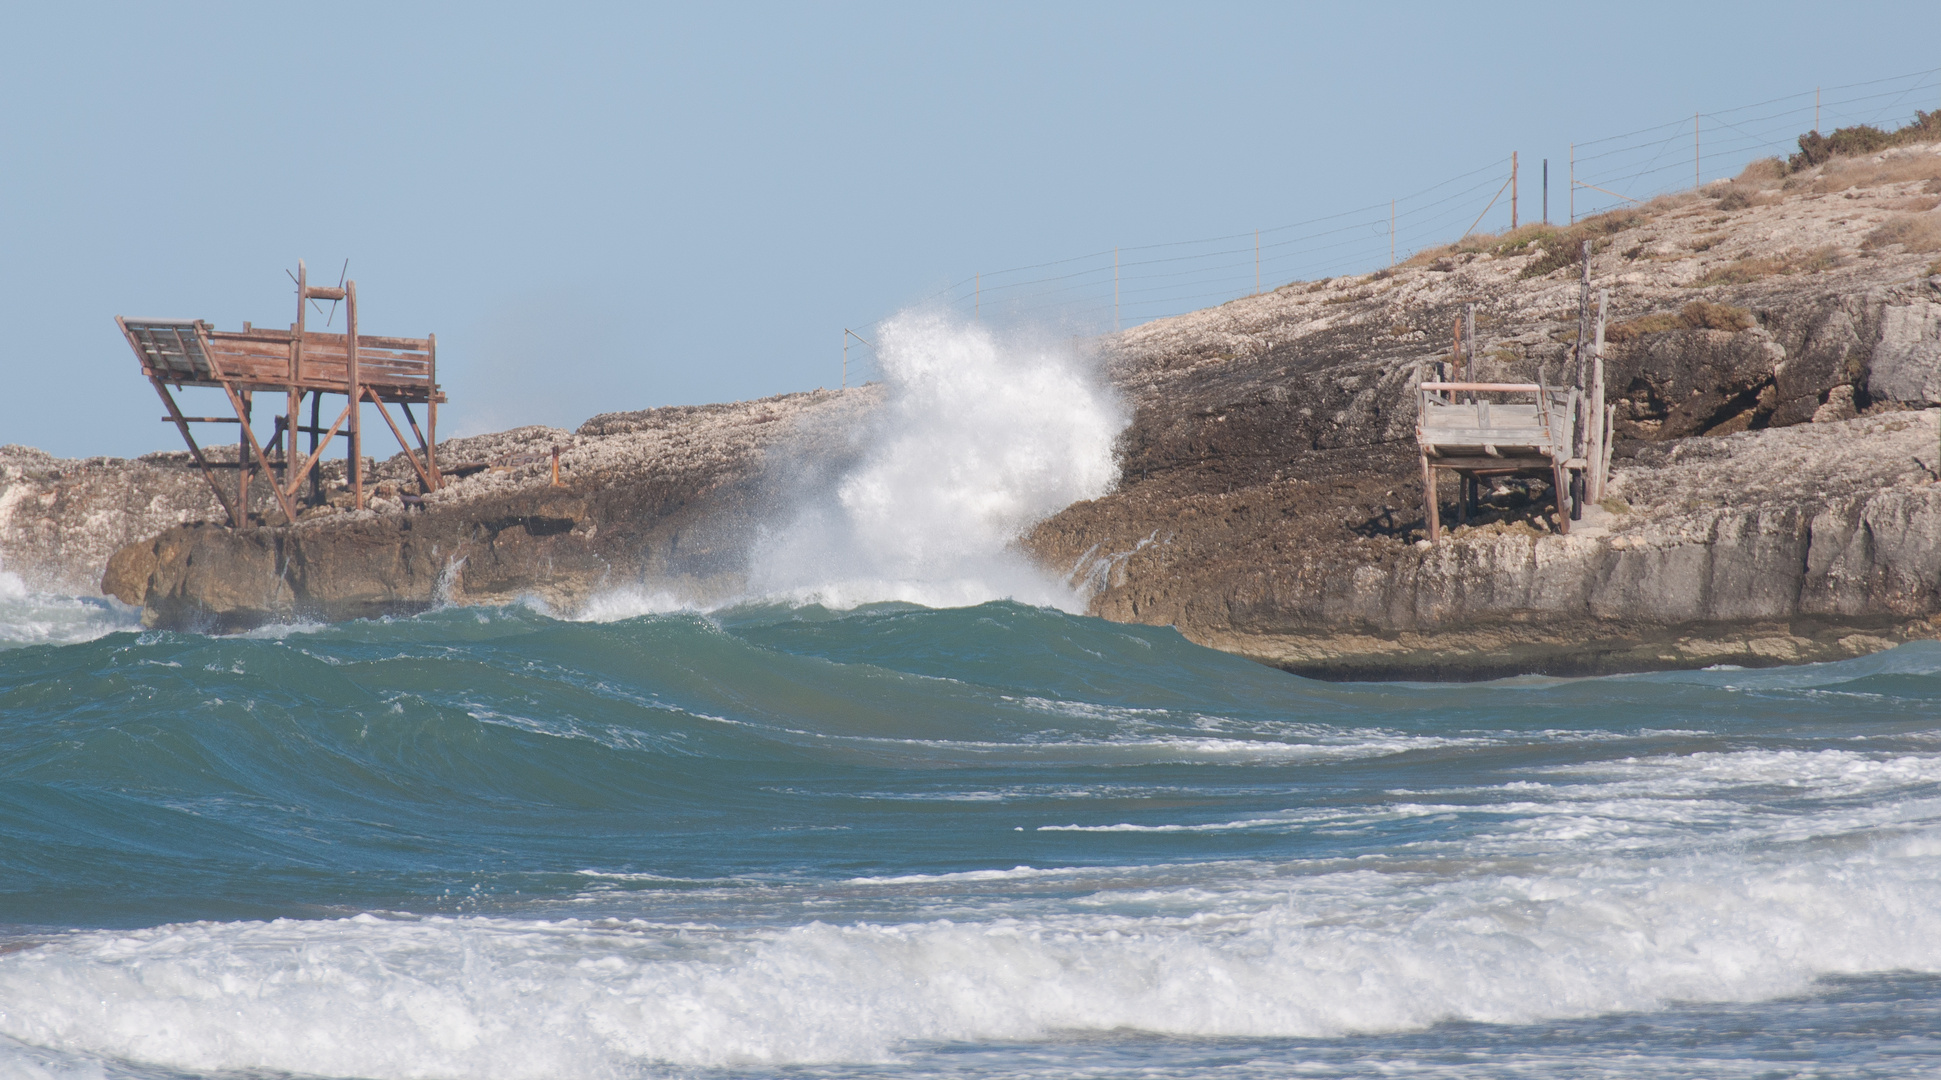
[1512, 191]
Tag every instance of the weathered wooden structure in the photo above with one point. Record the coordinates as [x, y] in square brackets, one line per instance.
[381, 371]
[1484, 430]
[1528, 431]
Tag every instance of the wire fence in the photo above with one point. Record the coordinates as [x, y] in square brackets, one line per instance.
[1115, 288]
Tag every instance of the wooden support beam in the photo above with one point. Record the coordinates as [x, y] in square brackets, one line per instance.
[182, 425]
[423, 475]
[317, 449]
[282, 499]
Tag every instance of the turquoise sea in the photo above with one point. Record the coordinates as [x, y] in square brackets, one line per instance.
[987, 841]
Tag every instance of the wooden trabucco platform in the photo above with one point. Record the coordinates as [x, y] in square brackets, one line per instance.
[380, 371]
[1529, 431]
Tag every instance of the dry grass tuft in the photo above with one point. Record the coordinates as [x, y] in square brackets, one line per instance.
[1705, 315]
[1913, 232]
[1563, 247]
[1764, 171]
[1748, 270]
[1842, 174]
[1697, 315]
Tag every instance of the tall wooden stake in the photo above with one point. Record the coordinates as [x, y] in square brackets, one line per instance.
[356, 396]
[1512, 191]
[1601, 431]
[1583, 348]
[1469, 344]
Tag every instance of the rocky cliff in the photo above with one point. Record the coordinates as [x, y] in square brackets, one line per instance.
[1775, 343]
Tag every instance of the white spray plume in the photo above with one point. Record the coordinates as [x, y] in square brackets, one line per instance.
[981, 436]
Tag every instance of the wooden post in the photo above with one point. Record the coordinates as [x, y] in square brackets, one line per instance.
[1600, 430]
[1546, 191]
[241, 406]
[1583, 348]
[1469, 344]
[296, 379]
[356, 476]
[1559, 479]
[556, 465]
[431, 410]
[1573, 183]
[1512, 191]
[1429, 509]
[245, 464]
[316, 475]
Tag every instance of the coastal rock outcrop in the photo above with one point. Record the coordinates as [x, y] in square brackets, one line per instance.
[1774, 497]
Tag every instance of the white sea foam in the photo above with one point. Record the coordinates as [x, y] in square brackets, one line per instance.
[981, 436]
[29, 616]
[1256, 955]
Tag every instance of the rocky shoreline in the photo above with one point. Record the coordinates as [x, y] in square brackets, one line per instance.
[1776, 359]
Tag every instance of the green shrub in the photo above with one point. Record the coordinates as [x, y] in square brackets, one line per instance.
[1818, 149]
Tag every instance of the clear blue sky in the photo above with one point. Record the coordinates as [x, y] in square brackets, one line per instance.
[602, 207]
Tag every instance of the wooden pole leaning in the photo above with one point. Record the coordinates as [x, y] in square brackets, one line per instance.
[249, 440]
[424, 475]
[182, 425]
[317, 449]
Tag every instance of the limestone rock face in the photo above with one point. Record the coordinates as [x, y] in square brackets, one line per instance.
[1906, 364]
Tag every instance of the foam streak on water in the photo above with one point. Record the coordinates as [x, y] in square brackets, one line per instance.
[992, 841]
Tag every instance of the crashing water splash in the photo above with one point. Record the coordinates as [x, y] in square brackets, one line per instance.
[981, 437]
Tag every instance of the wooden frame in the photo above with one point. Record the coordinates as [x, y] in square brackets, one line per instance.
[1460, 430]
[294, 362]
